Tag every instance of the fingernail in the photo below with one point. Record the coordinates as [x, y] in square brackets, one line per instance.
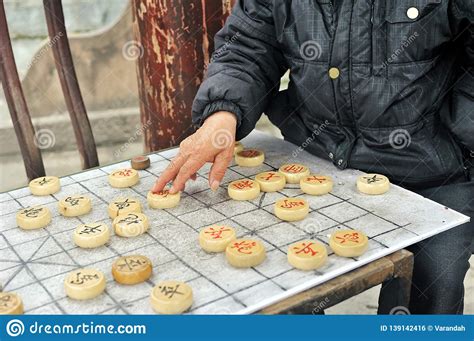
[173, 190]
[215, 185]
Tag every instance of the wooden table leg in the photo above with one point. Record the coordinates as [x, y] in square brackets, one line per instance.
[395, 292]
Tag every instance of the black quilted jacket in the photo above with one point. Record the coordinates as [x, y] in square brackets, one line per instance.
[384, 86]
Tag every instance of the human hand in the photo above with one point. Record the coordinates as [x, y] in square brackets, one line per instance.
[212, 142]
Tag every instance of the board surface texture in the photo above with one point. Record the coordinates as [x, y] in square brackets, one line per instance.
[34, 263]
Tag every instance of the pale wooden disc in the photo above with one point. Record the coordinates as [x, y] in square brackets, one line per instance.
[316, 184]
[294, 172]
[122, 178]
[130, 224]
[91, 235]
[215, 238]
[245, 253]
[291, 209]
[10, 304]
[373, 184]
[243, 189]
[84, 284]
[74, 206]
[171, 297]
[35, 217]
[123, 206]
[249, 158]
[307, 254]
[44, 185]
[349, 243]
[163, 199]
[271, 181]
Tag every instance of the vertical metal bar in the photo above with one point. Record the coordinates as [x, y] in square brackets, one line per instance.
[67, 77]
[15, 98]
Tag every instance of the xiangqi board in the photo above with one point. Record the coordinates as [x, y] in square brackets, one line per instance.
[35, 263]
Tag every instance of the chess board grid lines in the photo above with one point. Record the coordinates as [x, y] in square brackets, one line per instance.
[78, 267]
[200, 275]
[326, 277]
[118, 304]
[233, 295]
[5, 196]
[36, 279]
[184, 262]
[286, 293]
[169, 250]
[38, 261]
[257, 207]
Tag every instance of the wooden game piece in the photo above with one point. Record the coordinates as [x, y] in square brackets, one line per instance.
[245, 253]
[238, 147]
[171, 297]
[10, 304]
[271, 181]
[84, 284]
[33, 217]
[291, 209]
[348, 243]
[74, 206]
[131, 224]
[163, 199]
[44, 185]
[140, 162]
[315, 184]
[243, 189]
[373, 184]
[93, 235]
[122, 178]
[294, 172]
[131, 269]
[249, 158]
[215, 238]
[123, 206]
[307, 255]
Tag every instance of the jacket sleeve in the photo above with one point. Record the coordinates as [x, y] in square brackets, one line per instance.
[461, 121]
[245, 69]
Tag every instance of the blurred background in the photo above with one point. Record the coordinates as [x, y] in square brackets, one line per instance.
[105, 56]
[97, 31]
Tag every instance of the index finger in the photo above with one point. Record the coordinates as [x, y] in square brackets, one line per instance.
[169, 173]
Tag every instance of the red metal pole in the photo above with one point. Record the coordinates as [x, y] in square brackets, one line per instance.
[174, 41]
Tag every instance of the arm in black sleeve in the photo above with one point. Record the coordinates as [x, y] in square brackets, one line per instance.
[245, 69]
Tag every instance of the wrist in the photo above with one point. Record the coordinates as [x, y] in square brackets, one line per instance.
[222, 117]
